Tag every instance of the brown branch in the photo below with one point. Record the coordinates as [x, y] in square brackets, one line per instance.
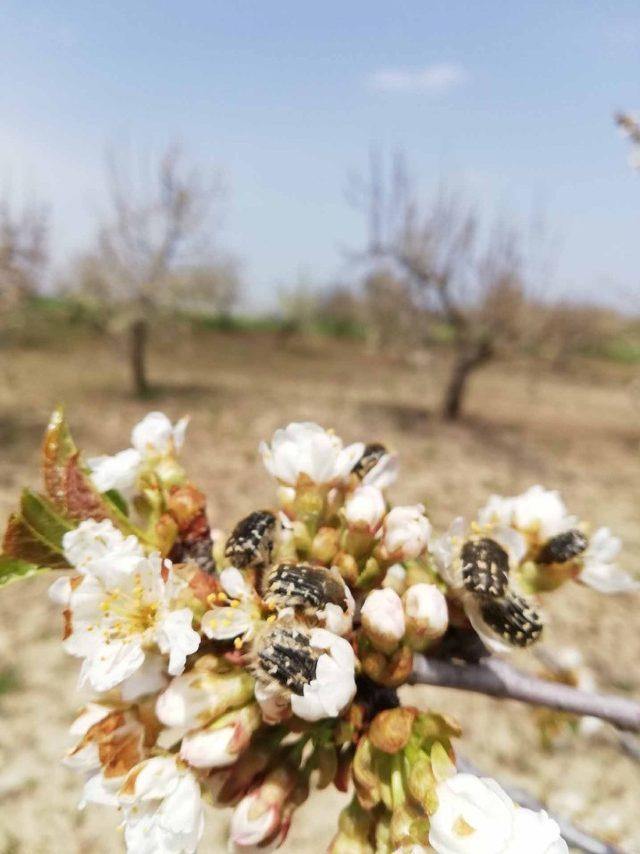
[572, 835]
[498, 678]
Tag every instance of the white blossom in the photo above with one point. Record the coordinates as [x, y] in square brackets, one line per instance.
[100, 549]
[538, 512]
[118, 615]
[406, 532]
[153, 437]
[497, 511]
[535, 833]
[476, 816]
[543, 512]
[365, 508]
[110, 741]
[384, 473]
[383, 619]
[599, 569]
[150, 678]
[118, 471]
[156, 436]
[446, 550]
[162, 806]
[306, 449]
[333, 686]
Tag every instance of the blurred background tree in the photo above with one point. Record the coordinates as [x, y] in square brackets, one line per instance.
[156, 251]
[446, 266]
[24, 250]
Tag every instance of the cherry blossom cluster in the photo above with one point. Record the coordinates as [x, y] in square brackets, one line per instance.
[246, 670]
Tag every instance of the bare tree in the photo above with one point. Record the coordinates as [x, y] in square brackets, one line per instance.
[158, 238]
[460, 272]
[24, 237]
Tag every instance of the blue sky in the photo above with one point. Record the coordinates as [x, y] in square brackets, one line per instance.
[512, 101]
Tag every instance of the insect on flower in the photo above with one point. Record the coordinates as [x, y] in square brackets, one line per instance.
[314, 669]
[251, 541]
[302, 585]
[512, 618]
[485, 567]
[372, 454]
[563, 547]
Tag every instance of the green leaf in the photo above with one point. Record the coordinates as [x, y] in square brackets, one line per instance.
[117, 500]
[15, 569]
[68, 485]
[39, 514]
[34, 534]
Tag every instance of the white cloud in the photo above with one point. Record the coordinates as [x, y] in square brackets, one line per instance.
[431, 80]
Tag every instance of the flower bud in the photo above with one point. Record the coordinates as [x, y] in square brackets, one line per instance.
[406, 532]
[391, 729]
[184, 503]
[170, 472]
[421, 784]
[426, 613]
[396, 578]
[347, 566]
[365, 508]
[364, 776]
[219, 744]
[202, 695]
[390, 672]
[383, 619]
[258, 816]
[166, 531]
[286, 497]
[353, 831]
[408, 827]
[325, 545]
[240, 777]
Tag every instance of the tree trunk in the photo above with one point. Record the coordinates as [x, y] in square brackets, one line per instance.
[138, 355]
[468, 359]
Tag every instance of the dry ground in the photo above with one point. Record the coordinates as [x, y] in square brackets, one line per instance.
[579, 433]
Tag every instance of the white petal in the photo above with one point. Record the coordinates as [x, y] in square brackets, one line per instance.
[473, 817]
[608, 579]
[60, 591]
[119, 471]
[233, 583]
[152, 435]
[384, 473]
[99, 790]
[176, 637]
[225, 623]
[247, 830]
[148, 679]
[112, 664]
[347, 459]
[209, 748]
[92, 714]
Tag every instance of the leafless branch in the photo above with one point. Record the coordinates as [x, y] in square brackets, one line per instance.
[572, 835]
[498, 678]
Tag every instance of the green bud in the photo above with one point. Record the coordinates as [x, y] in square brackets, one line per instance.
[441, 764]
[325, 545]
